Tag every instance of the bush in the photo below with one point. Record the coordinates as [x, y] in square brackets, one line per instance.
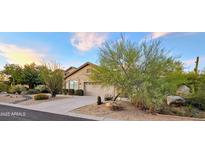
[41, 97]
[65, 91]
[108, 97]
[42, 89]
[32, 91]
[185, 111]
[71, 91]
[3, 87]
[17, 89]
[197, 101]
[79, 92]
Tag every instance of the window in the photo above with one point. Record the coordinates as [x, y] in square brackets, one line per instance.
[73, 84]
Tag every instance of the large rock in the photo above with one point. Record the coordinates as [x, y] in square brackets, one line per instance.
[175, 100]
[183, 90]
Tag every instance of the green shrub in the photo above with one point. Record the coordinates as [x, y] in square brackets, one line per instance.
[197, 99]
[32, 91]
[79, 92]
[185, 111]
[40, 97]
[3, 87]
[17, 89]
[42, 89]
[65, 91]
[71, 91]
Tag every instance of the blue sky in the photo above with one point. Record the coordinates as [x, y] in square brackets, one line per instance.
[73, 49]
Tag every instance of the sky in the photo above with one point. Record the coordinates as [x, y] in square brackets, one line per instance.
[74, 49]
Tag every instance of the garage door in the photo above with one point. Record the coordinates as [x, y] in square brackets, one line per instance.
[92, 89]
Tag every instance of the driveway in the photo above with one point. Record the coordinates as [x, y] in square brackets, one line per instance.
[61, 106]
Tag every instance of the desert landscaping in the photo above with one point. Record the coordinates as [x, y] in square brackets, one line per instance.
[130, 112]
[131, 82]
[28, 99]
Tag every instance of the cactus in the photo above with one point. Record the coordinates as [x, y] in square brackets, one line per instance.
[197, 65]
[195, 80]
[99, 102]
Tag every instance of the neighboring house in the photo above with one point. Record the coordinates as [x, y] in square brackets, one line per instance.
[78, 78]
[70, 70]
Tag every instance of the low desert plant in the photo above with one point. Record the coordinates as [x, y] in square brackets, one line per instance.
[197, 100]
[17, 89]
[42, 89]
[185, 111]
[3, 87]
[108, 97]
[32, 91]
[71, 91]
[65, 91]
[40, 97]
[79, 92]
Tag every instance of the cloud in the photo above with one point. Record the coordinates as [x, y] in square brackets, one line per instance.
[85, 41]
[20, 55]
[156, 35]
[189, 62]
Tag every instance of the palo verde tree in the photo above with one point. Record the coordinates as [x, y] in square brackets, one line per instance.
[145, 72]
[53, 76]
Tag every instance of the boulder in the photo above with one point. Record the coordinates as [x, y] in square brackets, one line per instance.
[183, 90]
[175, 100]
[108, 104]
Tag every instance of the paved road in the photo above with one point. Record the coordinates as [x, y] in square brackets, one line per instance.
[9, 113]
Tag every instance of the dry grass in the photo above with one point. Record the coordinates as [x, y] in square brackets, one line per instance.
[130, 112]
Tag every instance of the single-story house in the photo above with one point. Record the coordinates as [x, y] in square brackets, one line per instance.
[78, 78]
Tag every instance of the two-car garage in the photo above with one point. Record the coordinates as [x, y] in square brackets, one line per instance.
[93, 89]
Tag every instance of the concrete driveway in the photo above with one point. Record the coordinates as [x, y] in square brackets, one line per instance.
[63, 106]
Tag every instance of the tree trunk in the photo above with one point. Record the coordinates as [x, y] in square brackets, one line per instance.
[53, 94]
[31, 86]
[116, 98]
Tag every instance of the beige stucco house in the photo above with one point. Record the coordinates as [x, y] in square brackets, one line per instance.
[78, 78]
